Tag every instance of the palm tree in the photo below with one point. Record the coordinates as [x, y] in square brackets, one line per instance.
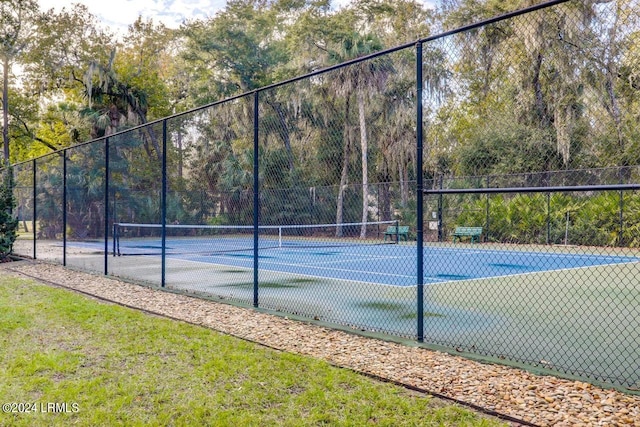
[364, 78]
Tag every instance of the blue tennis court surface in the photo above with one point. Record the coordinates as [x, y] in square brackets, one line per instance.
[389, 264]
[397, 266]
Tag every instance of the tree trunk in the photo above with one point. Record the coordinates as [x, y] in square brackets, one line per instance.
[365, 164]
[346, 137]
[343, 184]
[614, 110]
[180, 154]
[155, 143]
[5, 110]
[541, 109]
[404, 185]
[384, 195]
[612, 72]
[284, 132]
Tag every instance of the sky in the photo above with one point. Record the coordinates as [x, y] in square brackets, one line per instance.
[119, 14]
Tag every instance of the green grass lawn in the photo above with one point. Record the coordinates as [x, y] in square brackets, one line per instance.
[83, 362]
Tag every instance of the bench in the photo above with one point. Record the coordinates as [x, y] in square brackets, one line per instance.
[473, 232]
[398, 232]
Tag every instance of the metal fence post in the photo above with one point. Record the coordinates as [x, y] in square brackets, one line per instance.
[256, 199]
[488, 213]
[106, 206]
[64, 207]
[548, 218]
[621, 236]
[440, 202]
[35, 204]
[163, 207]
[419, 195]
[620, 239]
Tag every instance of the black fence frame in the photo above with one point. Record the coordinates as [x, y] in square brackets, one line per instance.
[421, 191]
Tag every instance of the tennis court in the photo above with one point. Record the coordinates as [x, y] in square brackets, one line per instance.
[375, 260]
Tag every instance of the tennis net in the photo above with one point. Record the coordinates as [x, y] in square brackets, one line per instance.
[146, 239]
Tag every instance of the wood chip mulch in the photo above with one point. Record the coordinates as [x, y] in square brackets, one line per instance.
[540, 400]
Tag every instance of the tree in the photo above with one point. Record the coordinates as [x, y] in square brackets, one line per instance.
[124, 91]
[238, 49]
[145, 62]
[394, 22]
[17, 28]
[609, 48]
[365, 79]
[524, 76]
[25, 120]
[68, 42]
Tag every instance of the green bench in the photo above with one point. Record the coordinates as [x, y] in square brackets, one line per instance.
[473, 232]
[398, 232]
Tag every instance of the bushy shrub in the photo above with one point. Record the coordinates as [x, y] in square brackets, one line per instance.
[8, 224]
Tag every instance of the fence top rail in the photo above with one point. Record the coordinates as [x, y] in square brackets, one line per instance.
[438, 36]
[559, 189]
[542, 173]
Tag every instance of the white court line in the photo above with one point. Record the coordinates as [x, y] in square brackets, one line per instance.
[335, 269]
[435, 280]
[343, 256]
[340, 261]
[303, 265]
[319, 268]
[474, 279]
[249, 270]
[527, 253]
[220, 251]
[337, 253]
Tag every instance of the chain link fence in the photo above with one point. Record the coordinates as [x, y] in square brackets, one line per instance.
[329, 196]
